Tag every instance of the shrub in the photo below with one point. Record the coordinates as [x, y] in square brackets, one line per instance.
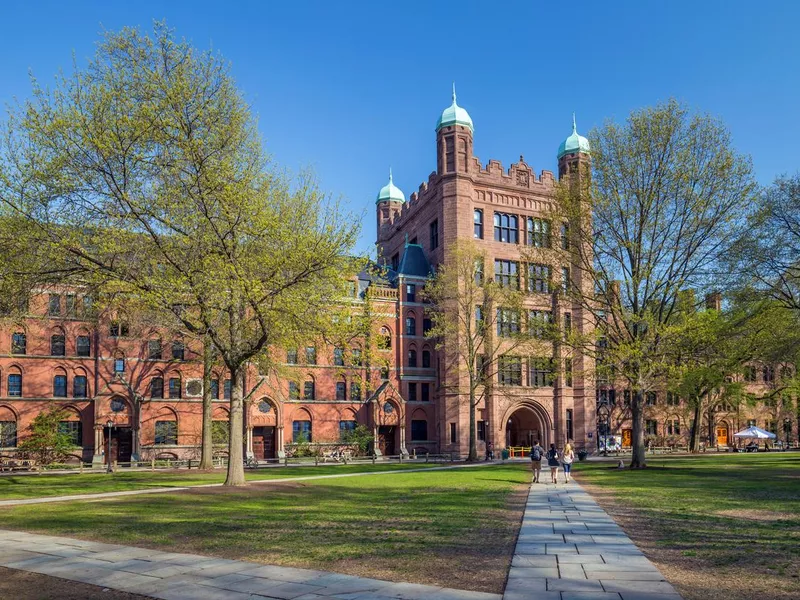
[45, 442]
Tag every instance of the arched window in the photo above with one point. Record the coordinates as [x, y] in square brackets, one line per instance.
[15, 383]
[301, 427]
[8, 428]
[83, 345]
[175, 387]
[411, 325]
[157, 387]
[478, 223]
[309, 391]
[60, 385]
[166, 430]
[80, 385]
[412, 357]
[385, 339]
[426, 359]
[19, 343]
[58, 344]
[72, 427]
[341, 389]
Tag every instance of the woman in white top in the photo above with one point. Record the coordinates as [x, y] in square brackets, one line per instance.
[566, 459]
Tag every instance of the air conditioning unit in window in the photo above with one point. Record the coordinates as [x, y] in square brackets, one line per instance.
[194, 388]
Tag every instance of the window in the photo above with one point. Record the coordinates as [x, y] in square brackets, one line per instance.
[482, 366]
[607, 397]
[506, 273]
[569, 424]
[672, 399]
[750, 374]
[175, 387]
[308, 390]
[83, 346]
[73, 429]
[294, 390]
[60, 386]
[311, 355]
[157, 387]
[539, 323]
[411, 292]
[565, 280]
[567, 324]
[385, 339]
[166, 433]
[119, 365]
[214, 388]
[80, 388]
[651, 427]
[568, 372]
[346, 427]
[650, 398]
[384, 373]
[419, 430]
[355, 391]
[395, 262]
[19, 343]
[301, 431]
[15, 385]
[453, 432]
[450, 154]
[57, 345]
[507, 322]
[70, 305]
[434, 231]
[477, 217]
[426, 392]
[54, 305]
[118, 329]
[220, 433]
[87, 306]
[540, 372]
[355, 355]
[341, 390]
[411, 326]
[291, 356]
[8, 434]
[482, 431]
[768, 374]
[505, 228]
[565, 236]
[427, 325]
[673, 427]
[338, 357]
[154, 349]
[426, 359]
[539, 279]
[479, 271]
[509, 370]
[538, 233]
[626, 397]
[412, 358]
[178, 351]
[412, 391]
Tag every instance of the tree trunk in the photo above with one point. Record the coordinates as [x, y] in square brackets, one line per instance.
[473, 444]
[694, 438]
[235, 438]
[207, 443]
[638, 458]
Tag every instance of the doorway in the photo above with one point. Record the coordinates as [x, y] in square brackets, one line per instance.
[386, 435]
[524, 427]
[627, 438]
[121, 444]
[722, 436]
[264, 442]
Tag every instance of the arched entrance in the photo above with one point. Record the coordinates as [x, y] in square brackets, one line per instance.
[527, 424]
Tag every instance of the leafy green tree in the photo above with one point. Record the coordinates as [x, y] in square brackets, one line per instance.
[145, 169]
[361, 437]
[45, 442]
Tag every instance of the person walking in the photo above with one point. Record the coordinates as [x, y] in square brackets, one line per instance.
[537, 452]
[552, 462]
[566, 460]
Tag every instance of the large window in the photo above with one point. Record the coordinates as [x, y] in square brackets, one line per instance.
[154, 349]
[178, 351]
[157, 387]
[506, 273]
[412, 391]
[308, 390]
[673, 427]
[426, 392]
[175, 387]
[477, 217]
[419, 430]
[539, 323]
[507, 322]
[426, 359]
[57, 345]
[651, 427]
[15, 385]
[311, 355]
[338, 357]
[346, 427]
[434, 231]
[506, 228]
[341, 390]
[54, 305]
[301, 431]
[539, 279]
[60, 386]
[509, 370]
[8, 434]
[83, 346]
[538, 233]
[166, 433]
[412, 358]
[411, 326]
[74, 430]
[541, 372]
[19, 343]
[80, 387]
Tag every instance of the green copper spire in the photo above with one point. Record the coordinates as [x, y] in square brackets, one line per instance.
[454, 115]
[390, 192]
[574, 143]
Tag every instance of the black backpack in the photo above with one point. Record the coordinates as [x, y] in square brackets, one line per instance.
[536, 453]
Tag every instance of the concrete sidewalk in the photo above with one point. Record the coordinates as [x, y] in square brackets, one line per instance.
[571, 549]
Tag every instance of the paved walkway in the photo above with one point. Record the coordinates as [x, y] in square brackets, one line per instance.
[171, 576]
[571, 549]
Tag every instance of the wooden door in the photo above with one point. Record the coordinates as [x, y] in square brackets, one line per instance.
[627, 438]
[264, 442]
[722, 436]
[386, 439]
[121, 444]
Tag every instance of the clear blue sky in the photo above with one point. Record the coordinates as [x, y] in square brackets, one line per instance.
[350, 88]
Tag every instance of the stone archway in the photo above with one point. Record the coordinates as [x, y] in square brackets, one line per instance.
[526, 423]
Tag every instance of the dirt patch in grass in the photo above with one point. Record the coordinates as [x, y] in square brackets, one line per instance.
[712, 575]
[22, 585]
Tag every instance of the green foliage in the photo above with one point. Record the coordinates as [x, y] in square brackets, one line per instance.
[361, 437]
[45, 442]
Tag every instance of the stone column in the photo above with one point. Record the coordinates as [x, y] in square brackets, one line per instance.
[97, 457]
[279, 452]
[249, 438]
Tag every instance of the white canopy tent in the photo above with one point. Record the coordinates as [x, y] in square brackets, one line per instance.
[754, 432]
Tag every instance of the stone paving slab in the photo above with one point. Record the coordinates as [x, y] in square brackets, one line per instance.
[178, 576]
[570, 549]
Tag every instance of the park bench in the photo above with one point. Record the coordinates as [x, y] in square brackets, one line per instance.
[18, 464]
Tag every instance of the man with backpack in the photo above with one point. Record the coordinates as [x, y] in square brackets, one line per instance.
[537, 452]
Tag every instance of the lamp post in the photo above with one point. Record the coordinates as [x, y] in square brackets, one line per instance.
[109, 424]
[787, 429]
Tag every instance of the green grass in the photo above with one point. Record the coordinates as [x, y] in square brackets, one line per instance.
[734, 517]
[455, 528]
[19, 487]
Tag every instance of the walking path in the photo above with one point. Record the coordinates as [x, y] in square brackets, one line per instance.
[171, 576]
[571, 549]
[163, 490]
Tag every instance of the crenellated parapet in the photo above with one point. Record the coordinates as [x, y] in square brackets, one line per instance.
[518, 175]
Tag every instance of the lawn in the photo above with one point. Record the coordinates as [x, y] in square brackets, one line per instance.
[455, 528]
[18, 487]
[724, 527]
